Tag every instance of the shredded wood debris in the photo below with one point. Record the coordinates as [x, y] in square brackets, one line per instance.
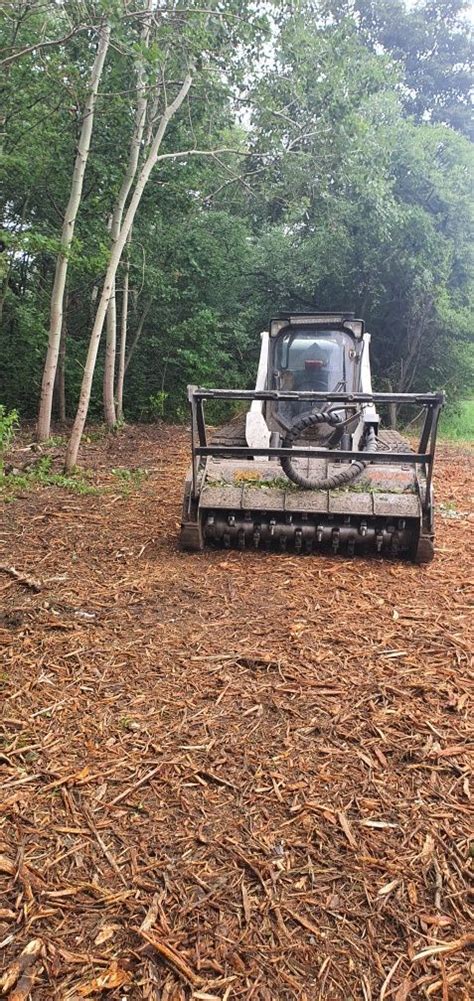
[229, 775]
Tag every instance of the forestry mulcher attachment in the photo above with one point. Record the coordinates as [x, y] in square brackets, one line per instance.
[307, 468]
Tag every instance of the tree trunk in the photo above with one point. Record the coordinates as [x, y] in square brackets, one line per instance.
[131, 169]
[123, 342]
[60, 385]
[143, 177]
[109, 362]
[57, 297]
[138, 334]
[392, 410]
[417, 330]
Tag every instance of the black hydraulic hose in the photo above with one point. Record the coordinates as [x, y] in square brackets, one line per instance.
[345, 476]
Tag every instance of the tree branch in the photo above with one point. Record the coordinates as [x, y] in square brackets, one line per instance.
[43, 45]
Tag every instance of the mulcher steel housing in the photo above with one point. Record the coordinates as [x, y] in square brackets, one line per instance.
[308, 468]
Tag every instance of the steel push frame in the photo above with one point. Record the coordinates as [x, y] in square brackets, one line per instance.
[424, 456]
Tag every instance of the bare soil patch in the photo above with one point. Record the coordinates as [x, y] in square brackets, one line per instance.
[229, 776]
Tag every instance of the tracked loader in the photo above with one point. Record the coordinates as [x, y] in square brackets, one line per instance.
[308, 468]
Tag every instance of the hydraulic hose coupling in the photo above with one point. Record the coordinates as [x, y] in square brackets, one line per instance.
[340, 479]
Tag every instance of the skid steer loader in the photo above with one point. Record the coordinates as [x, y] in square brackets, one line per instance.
[308, 468]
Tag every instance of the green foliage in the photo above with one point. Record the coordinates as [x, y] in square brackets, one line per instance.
[8, 425]
[374, 212]
[457, 421]
[349, 186]
[155, 407]
[41, 475]
[430, 40]
[130, 478]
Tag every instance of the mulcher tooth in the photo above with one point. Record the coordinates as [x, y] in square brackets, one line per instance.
[211, 526]
[269, 531]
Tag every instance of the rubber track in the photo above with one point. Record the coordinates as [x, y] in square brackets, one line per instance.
[392, 441]
[232, 434]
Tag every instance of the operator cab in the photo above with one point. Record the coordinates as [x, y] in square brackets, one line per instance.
[319, 353]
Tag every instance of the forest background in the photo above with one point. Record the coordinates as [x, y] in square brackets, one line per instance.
[173, 174]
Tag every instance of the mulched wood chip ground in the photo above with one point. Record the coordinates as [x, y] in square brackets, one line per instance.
[229, 775]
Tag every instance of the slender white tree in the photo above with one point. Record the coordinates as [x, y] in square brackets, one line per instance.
[117, 215]
[67, 234]
[115, 257]
[123, 337]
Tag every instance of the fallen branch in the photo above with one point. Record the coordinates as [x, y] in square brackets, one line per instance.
[22, 578]
[103, 846]
[444, 948]
[171, 957]
[303, 921]
[132, 788]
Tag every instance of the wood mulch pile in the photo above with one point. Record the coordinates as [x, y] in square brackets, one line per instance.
[229, 775]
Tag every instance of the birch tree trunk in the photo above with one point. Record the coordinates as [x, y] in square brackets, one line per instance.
[138, 334]
[123, 342]
[116, 254]
[109, 360]
[131, 169]
[67, 233]
[60, 384]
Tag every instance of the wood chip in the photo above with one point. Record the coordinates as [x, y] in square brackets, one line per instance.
[20, 965]
[171, 957]
[347, 829]
[253, 795]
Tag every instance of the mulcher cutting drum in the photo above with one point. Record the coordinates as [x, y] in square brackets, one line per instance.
[308, 469]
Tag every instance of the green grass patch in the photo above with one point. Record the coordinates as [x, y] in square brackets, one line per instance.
[11, 484]
[54, 441]
[130, 478]
[457, 421]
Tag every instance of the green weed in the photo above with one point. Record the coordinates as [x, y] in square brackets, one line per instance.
[41, 475]
[155, 409]
[119, 425]
[54, 441]
[457, 421]
[130, 478]
[97, 434]
[281, 483]
[127, 723]
[8, 426]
